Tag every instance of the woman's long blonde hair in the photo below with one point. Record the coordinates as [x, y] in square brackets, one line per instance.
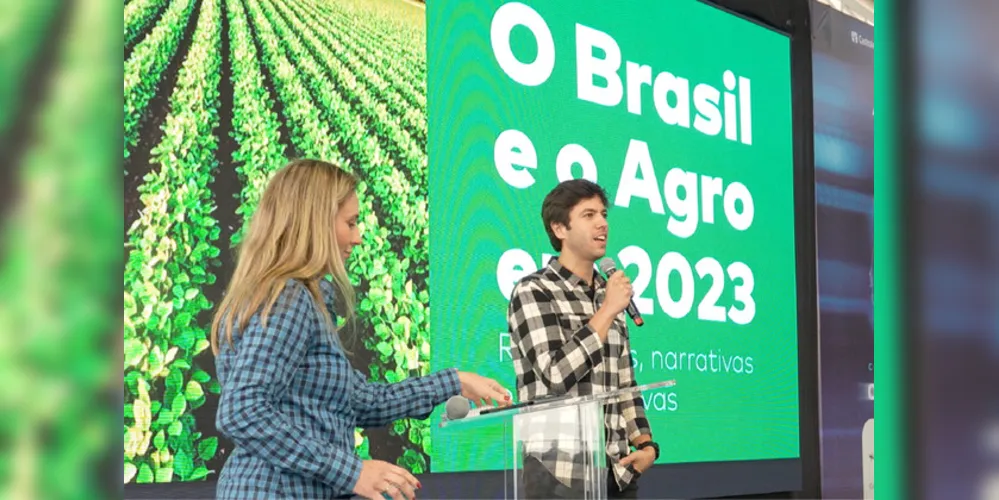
[292, 235]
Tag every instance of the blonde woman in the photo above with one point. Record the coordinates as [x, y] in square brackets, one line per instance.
[290, 400]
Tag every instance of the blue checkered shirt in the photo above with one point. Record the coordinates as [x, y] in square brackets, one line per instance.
[291, 400]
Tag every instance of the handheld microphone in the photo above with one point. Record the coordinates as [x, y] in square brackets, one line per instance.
[608, 267]
[456, 408]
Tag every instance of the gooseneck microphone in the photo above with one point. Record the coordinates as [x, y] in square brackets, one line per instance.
[608, 267]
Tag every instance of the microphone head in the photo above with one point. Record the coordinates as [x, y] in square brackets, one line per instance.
[457, 407]
[607, 266]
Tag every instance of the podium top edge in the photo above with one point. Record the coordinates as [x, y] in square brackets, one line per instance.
[477, 415]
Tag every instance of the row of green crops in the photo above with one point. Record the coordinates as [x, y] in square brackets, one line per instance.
[256, 127]
[379, 104]
[338, 102]
[312, 137]
[138, 15]
[351, 113]
[172, 246]
[404, 47]
[364, 58]
[146, 65]
[396, 311]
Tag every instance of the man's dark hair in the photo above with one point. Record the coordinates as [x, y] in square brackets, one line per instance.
[561, 200]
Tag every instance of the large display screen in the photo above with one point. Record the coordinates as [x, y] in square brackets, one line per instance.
[687, 125]
[459, 117]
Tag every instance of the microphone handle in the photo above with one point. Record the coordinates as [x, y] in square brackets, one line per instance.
[635, 315]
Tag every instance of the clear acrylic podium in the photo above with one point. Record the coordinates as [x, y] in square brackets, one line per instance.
[569, 429]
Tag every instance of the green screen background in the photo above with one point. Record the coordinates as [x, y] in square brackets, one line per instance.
[476, 216]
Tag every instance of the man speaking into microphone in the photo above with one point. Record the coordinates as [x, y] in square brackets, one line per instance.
[570, 336]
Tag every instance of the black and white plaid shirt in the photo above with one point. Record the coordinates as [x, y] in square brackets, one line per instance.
[556, 352]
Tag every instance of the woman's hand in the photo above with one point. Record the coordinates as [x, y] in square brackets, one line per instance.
[378, 477]
[483, 391]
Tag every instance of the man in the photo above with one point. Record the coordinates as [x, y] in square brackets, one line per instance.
[569, 336]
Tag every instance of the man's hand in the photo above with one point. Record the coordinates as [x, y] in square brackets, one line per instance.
[640, 459]
[617, 298]
[619, 293]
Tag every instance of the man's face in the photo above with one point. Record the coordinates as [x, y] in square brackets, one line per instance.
[586, 235]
